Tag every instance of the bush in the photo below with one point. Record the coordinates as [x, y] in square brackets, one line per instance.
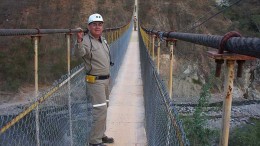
[114, 1]
[101, 2]
[195, 126]
[245, 17]
[17, 68]
[247, 135]
[196, 81]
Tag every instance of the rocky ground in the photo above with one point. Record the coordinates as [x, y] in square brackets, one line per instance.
[241, 112]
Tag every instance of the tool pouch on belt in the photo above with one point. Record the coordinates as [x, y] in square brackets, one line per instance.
[91, 79]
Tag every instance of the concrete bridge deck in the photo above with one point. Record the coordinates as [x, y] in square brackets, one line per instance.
[125, 122]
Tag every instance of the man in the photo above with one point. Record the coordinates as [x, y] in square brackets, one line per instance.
[94, 50]
[135, 21]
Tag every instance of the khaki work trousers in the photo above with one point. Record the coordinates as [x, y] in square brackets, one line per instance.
[99, 94]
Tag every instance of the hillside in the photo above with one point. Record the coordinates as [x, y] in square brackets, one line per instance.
[181, 15]
[62, 13]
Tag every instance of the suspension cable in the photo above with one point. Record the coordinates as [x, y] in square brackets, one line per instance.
[212, 16]
[239, 45]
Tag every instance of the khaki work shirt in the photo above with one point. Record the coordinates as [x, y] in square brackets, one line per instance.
[96, 56]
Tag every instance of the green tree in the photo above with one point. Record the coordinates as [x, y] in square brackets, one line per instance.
[198, 133]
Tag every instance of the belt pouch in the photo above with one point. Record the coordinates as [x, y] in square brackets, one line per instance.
[90, 79]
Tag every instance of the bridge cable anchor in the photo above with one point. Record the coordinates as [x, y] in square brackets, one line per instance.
[38, 35]
[221, 49]
[174, 41]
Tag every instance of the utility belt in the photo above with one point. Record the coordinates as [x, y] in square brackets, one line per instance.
[93, 78]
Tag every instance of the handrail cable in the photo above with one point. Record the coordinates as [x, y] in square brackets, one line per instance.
[36, 31]
[240, 45]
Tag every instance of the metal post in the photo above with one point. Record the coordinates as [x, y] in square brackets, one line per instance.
[112, 36]
[36, 85]
[118, 34]
[158, 57]
[149, 43]
[145, 41]
[153, 47]
[108, 37]
[230, 62]
[68, 36]
[171, 66]
[115, 35]
[227, 103]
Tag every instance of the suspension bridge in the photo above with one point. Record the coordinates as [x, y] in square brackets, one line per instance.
[141, 110]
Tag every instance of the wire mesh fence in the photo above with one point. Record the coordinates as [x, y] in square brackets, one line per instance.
[118, 49]
[19, 127]
[61, 115]
[163, 127]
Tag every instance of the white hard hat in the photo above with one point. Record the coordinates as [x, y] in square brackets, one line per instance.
[95, 17]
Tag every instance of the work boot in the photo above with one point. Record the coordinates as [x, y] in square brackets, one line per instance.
[99, 144]
[107, 139]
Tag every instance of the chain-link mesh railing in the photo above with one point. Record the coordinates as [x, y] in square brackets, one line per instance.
[18, 124]
[19, 127]
[118, 49]
[162, 124]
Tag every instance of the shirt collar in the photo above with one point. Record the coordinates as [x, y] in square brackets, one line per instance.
[100, 38]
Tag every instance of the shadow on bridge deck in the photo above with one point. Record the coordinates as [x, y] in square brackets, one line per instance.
[125, 122]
